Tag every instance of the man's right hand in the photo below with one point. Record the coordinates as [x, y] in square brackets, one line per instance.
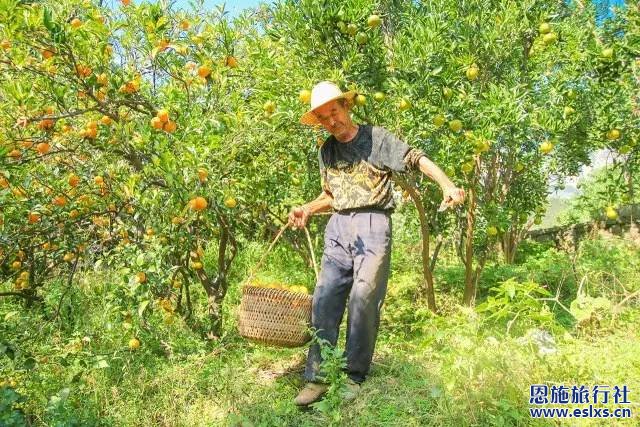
[299, 216]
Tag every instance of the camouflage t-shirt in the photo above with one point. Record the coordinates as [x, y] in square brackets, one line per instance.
[358, 173]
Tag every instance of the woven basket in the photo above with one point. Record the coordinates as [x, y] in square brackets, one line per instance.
[275, 316]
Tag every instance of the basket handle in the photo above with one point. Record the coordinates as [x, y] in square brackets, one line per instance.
[255, 269]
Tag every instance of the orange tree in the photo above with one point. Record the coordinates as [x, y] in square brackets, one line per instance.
[616, 110]
[498, 95]
[125, 141]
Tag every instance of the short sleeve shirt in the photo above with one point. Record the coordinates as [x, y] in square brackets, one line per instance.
[358, 173]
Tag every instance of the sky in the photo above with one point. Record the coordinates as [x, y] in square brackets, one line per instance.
[233, 6]
[236, 6]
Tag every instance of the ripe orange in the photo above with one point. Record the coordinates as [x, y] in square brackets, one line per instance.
[74, 180]
[47, 53]
[45, 124]
[163, 115]
[59, 201]
[141, 277]
[198, 203]
[156, 123]
[15, 153]
[170, 126]
[102, 79]
[34, 217]
[231, 62]
[98, 180]
[204, 71]
[76, 23]
[43, 148]
[185, 24]
[106, 120]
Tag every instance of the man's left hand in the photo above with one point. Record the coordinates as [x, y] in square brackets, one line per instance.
[451, 197]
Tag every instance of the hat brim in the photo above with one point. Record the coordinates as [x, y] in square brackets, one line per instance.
[310, 119]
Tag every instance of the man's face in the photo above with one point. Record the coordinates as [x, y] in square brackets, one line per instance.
[334, 117]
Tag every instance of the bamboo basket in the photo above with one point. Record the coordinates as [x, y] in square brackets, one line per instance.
[275, 317]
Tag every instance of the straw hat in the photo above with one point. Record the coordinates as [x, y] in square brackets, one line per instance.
[322, 93]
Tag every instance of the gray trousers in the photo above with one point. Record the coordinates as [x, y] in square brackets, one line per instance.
[355, 264]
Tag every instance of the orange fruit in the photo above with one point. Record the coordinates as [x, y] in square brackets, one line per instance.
[231, 62]
[163, 115]
[230, 202]
[74, 180]
[15, 153]
[98, 180]
[198, 203]
[47, 53]
[141, 277]
[204, 71]
[546, 147]
[102, 79]
[59, 201]
[106, 120]
[185, 24]
[170, 126]
[134, 343]
[34, 217]
[472, 72]
[156, 123]
[76, 23]
[202, 175]
[43, 148]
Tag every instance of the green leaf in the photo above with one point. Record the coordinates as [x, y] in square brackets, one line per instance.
[101, 364]
[8, 316]
[142, 307]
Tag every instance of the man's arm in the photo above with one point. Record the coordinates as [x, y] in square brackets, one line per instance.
[299, 216]
[451, 194]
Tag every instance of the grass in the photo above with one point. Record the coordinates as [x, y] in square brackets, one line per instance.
[455, 369]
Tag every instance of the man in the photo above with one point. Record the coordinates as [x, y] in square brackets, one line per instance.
[356, 166]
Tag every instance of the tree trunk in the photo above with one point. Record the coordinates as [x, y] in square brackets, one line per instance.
[470, 278]
[427, 273]
[509, 246]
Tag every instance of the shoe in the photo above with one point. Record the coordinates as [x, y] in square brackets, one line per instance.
[352, 389]
[312, 392]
